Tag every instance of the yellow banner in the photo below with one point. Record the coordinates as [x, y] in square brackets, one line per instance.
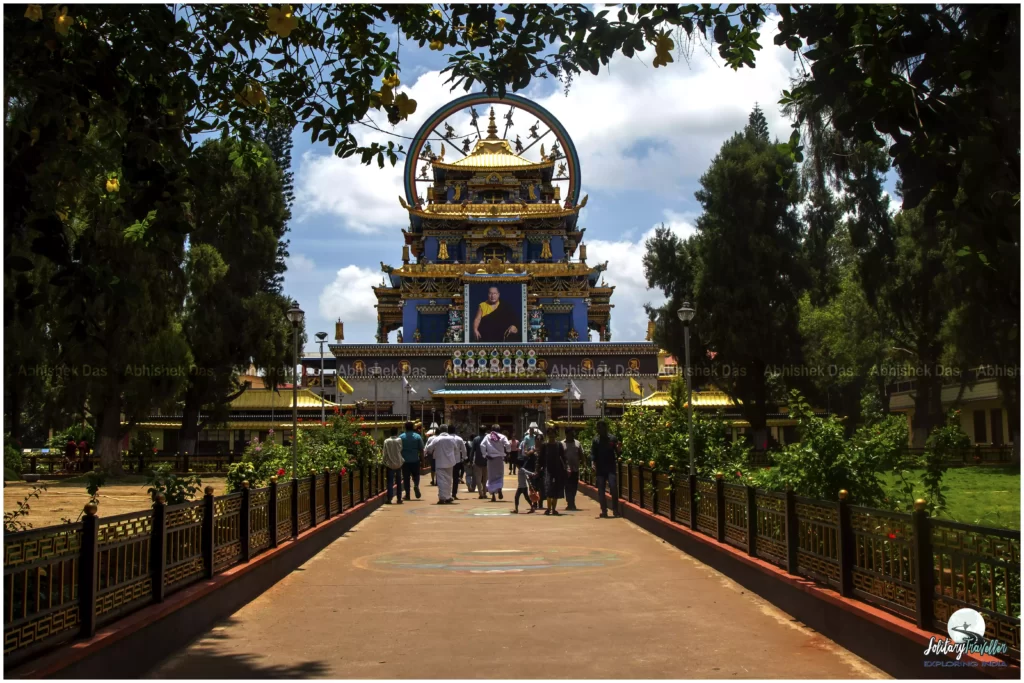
[634, 386]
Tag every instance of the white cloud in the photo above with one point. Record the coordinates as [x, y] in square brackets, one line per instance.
[626, 273]
[350, 296]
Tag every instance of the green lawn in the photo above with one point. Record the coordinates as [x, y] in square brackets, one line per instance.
[989, 496]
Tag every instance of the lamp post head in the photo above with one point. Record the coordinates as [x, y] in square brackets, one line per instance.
[602, 369]
[321, 336]
[375, 370]
[686, 313]
[295, 315]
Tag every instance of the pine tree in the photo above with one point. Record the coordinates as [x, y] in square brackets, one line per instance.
[757, 125]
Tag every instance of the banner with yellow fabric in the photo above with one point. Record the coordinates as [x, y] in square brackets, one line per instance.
[634, 386]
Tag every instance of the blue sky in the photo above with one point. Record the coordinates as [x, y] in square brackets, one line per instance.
[644, 137]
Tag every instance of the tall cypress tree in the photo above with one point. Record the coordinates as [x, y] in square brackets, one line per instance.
[757, 125]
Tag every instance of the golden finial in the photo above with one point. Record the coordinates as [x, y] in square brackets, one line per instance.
[90, 508]
[208, 490]
[492, 127]
[920, 504]
[843, 493]
[542, 154]
[245, 484]
[159, 498]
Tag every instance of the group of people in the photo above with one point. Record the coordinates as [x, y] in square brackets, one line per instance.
[548, 469]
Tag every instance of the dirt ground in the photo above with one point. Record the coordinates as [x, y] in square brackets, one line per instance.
[65, 498]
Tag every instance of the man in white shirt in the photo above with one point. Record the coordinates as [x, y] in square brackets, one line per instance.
[393, 461]
[446, 449]
[495, 447]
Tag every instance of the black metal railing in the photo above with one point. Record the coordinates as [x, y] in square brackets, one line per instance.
[62, 582]
[913, 565]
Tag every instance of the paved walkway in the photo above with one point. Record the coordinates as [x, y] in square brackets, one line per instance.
[471, 591]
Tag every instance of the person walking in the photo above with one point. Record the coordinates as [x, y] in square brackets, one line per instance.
[433, 468]
[552, 468]
[480, 462]
[412, 457]
[445, 449]
[460, 466]
[495, 447]
[572, 451]
[527, 474]
[513, 455]
[530, 444]
[469, 466]
[604, 452]
[394, 462]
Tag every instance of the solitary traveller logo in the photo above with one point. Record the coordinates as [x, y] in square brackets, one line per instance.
[966, 628]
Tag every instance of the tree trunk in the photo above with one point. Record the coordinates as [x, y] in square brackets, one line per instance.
[1009, 387]
[927, 407]
[108, 435]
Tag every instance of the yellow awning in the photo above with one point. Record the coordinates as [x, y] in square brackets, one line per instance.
[265, 399]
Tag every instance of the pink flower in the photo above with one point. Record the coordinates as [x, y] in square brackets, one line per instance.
[154, 450]
[892, 535]
[343, 470]
[280, 472]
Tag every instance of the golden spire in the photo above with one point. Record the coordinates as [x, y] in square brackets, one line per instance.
[492, 127]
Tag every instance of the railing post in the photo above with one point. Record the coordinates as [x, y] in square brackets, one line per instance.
[243, 522]
[295, 506]
[208, 512]
[693, 501]
[720, 506]
[751, 521]
[185, 469]
[792, 532]
[272, 512]
[846, 546]
[654, 492]
[327, 493]
[88, 561]
[925, 567]
[32, 464]
[672, 498]
[312, 499]
[629, 482]
[158, 547]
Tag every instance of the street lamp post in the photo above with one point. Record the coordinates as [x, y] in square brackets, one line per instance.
[603, 370]
[295, 316]
[686, 314]
[375, 371]
[321, 337]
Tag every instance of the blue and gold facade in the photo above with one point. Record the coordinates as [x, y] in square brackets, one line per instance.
[494, 217]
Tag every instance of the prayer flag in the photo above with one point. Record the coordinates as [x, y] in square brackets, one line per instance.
[634, 386]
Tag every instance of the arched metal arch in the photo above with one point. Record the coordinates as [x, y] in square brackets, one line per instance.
[455, 105]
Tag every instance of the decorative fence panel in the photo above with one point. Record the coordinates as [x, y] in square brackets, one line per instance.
[623, 480]
[664, 485]
[817, 554]
[183, 560]
[333, 489]
[321, 502]
[259, 521]
[41, 606]
[305, 519]
[227, 545]
[682, 511]
[707, 507]
[346, 490]
[736, 515]
[284, 511]
[883, 561]
[771, 543]
[357, 485]
[979, 568]
[634, 485]
[647, 488]
[123, 579]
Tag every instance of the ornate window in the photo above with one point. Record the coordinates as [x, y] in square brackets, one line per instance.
[493, 251]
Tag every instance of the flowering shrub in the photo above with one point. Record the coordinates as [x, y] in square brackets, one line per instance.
[260, 461]
[176, 490]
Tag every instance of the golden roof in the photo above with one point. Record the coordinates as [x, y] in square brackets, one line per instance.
[458, 269]
[264, 399]
[485, 210]
[701, 399]
[492, 153]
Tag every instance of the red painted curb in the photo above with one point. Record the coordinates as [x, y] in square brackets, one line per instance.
[66, 655]
[855, 607]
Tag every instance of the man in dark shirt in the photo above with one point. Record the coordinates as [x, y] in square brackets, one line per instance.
[604, 453]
